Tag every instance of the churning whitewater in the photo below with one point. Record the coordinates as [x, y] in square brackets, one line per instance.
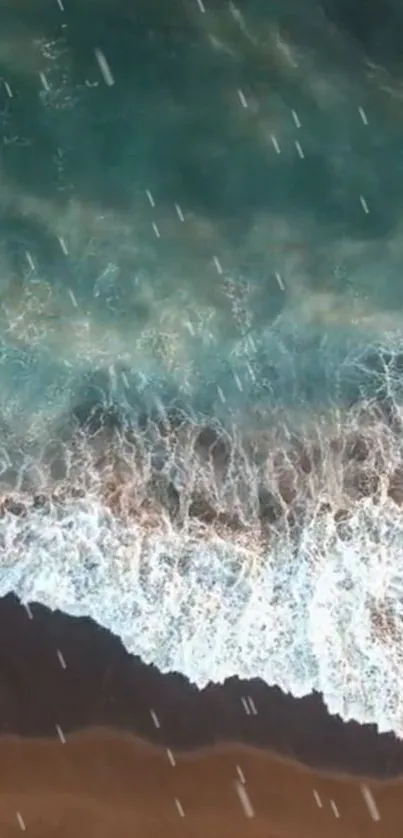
[214, 551]
[201, 352]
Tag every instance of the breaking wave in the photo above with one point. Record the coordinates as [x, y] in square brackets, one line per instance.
[268, 544]
[205, 454]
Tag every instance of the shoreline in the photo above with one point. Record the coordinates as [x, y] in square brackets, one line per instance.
[175, 572]
[59, 673]
[115, 739]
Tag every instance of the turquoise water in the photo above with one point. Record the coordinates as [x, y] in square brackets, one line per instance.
[201, 336]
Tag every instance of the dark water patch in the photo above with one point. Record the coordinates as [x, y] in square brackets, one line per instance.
[214, 444]
[395, 489]
[374, 26]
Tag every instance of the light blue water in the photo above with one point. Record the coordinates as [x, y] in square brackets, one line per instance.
[201, 338]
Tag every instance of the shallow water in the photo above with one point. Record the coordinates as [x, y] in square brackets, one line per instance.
[201, 336]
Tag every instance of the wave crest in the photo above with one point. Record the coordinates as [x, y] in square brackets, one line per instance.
[215, 553]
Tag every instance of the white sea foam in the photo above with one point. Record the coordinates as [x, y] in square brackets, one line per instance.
[270, 547]
[322, 614]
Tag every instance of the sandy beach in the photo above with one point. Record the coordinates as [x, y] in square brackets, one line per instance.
[99, 783]
[96, 743]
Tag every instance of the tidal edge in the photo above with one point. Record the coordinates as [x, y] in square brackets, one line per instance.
[59, 673]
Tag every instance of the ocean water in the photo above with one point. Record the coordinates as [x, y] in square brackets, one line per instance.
[201, 335]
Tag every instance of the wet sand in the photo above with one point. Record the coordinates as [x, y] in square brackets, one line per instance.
[96, 743]
[61, 672]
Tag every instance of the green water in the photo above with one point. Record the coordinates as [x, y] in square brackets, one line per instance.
[230, 193]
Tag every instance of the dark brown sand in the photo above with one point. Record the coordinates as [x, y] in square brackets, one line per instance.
[78, 716]
[56, 670]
